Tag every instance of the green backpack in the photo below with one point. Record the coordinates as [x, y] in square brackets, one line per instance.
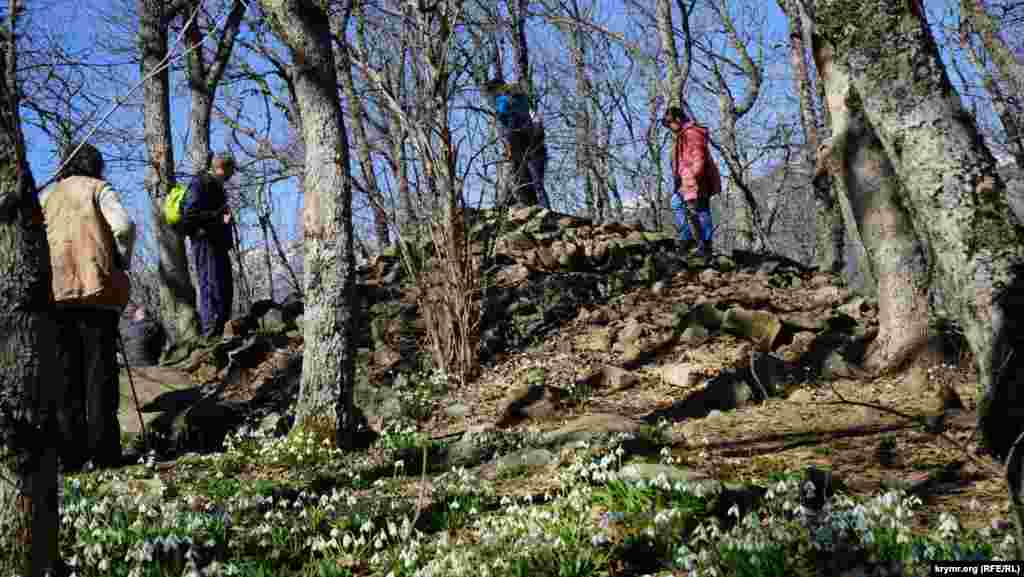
[174, 205]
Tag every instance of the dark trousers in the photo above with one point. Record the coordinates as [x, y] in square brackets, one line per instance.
[216, 290]
[529, 161]
[87, 416]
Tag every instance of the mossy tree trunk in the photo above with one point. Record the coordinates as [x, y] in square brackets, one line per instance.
[953, 194]
[328, 364]
[895, 256]
[30, 388]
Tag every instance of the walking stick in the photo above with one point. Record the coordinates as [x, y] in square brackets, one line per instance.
[135, 395]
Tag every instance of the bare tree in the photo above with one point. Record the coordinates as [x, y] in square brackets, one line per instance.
[30, 387]
[328, 366]
[730, 112]
[205, 72]
[1004, 84]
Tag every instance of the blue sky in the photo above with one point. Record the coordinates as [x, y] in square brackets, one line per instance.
[81, 26]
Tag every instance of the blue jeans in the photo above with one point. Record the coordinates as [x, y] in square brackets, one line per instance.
[703, 211]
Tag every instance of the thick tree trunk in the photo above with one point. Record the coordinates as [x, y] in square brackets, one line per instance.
[862, 170]
[177, 294]
[30, 388]
[328, 368]
[955, 197]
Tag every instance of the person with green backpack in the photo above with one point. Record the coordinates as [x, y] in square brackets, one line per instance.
[206, 220]
[91, 238]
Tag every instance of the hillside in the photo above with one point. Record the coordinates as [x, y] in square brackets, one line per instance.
[634, 404]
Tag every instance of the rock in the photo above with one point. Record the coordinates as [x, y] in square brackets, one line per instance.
[659, 288]
[566, 253]
[802, 396]
[804, 321]
[707, 315]
[457, 411]
[512, 275]
[547, 258]
[631, 333]
[694, 335]
[710, 278]
[826, 296]
[588, 427]
[530, 458]
[611, 378]
[759, 326]
[598, 341]
[632, 352]
[650, 472]
[681, 375]
[529, 402]
[724, 263]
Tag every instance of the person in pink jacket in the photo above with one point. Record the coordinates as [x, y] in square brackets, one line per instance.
[696, 179]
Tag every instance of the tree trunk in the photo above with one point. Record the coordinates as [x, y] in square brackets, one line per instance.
[328, 368]
[520, 46]
[585, 153]
[673, 79]
[30, 387]
[955, 197]
[177, 295]
[862, 170]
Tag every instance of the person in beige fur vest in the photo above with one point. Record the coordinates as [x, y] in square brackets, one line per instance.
[91, 238]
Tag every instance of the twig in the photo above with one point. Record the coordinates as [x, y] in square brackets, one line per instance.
[164, 64]
[757, 379]
[922, 420]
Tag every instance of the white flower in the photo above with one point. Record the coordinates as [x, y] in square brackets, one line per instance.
[948, 525]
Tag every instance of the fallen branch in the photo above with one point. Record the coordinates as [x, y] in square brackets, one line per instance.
[917, 418]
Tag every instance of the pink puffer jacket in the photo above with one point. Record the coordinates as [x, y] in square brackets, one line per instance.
[694, 164]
